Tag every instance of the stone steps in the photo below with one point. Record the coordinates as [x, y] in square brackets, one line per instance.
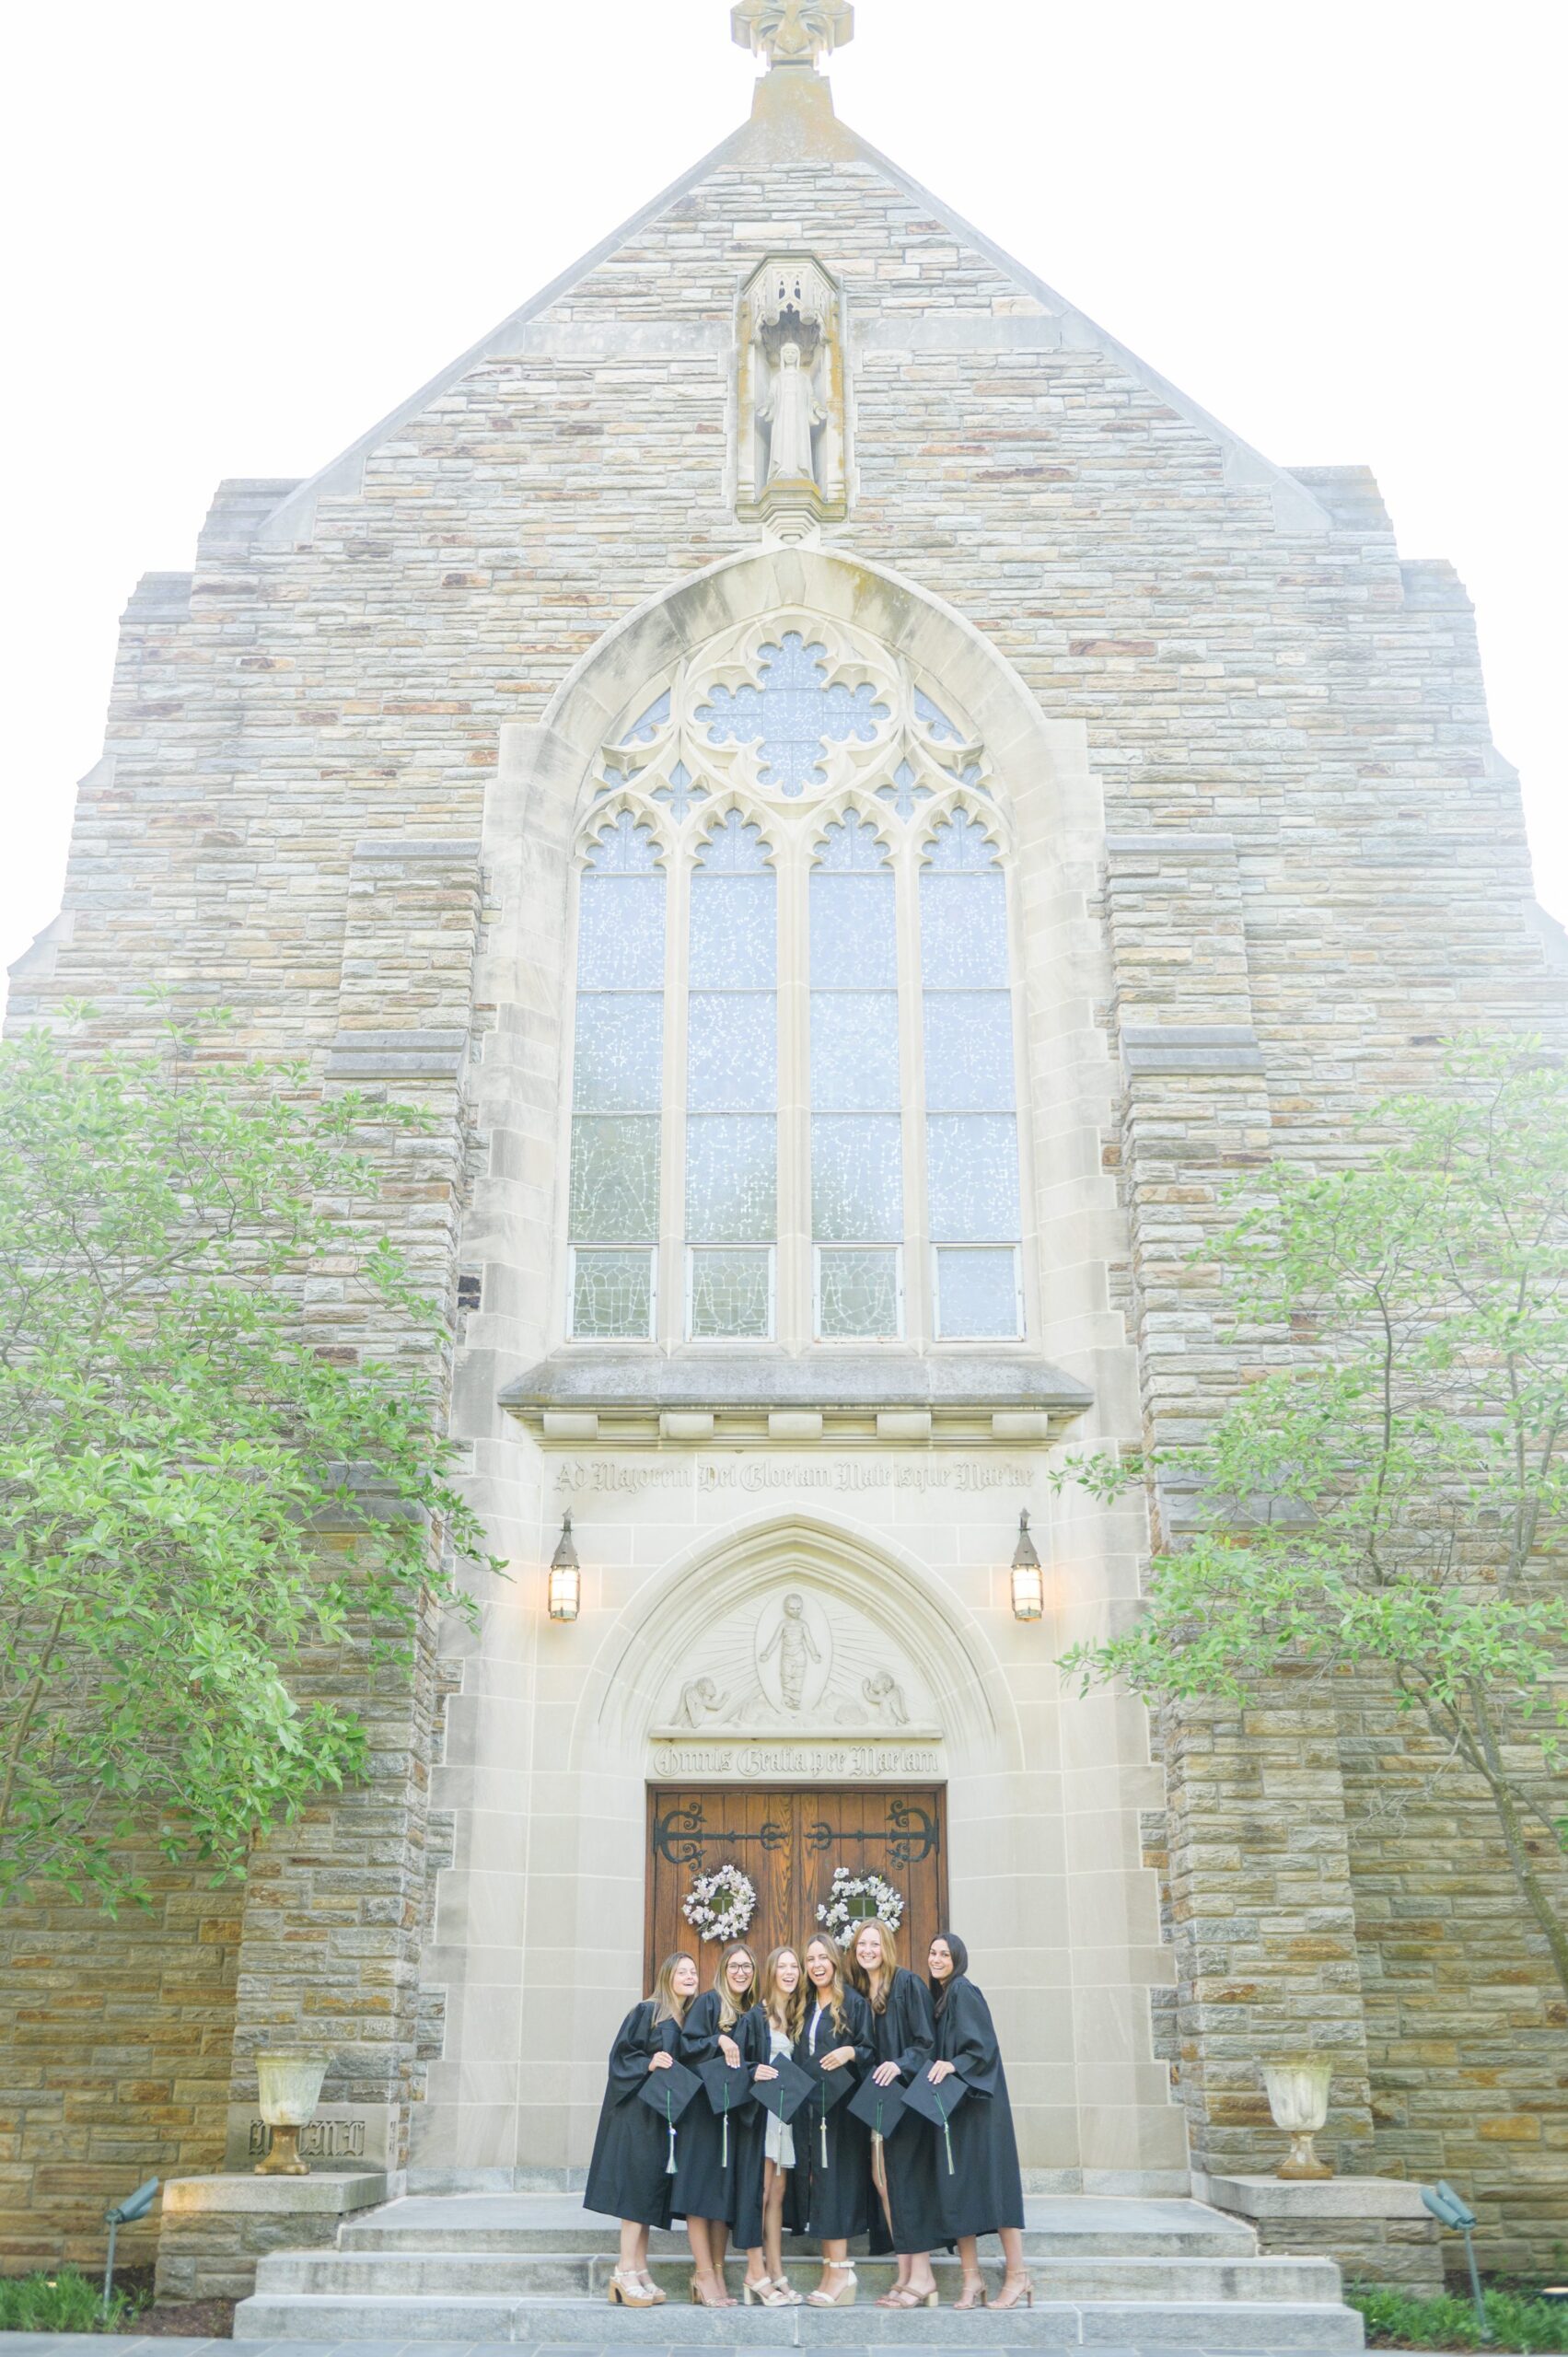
[570, 2275]
[1241, 2325]
[1224, 2239]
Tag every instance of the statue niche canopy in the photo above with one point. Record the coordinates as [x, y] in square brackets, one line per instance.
[793, 466]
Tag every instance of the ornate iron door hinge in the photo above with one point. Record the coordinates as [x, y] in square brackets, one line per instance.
[681, 1835]
[910, 1835]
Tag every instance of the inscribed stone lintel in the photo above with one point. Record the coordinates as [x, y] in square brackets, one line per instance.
[679, 1757]
[340, 2137]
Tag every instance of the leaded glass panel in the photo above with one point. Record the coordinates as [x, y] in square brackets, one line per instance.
[612, 1296]
[855, 939]
[963, 932]
[977, 1296]
[857, 1184]
[731, 1179]
[792, 715]
[855, 1052]
[857, 1295]
[734, 933]
[618, 1065]
[969, 1052]
[733, 1052]
[615, 1180]
[731, 1296]
[620, 934]
[972, 1173]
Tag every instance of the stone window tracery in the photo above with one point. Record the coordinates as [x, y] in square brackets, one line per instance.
[795, 1111]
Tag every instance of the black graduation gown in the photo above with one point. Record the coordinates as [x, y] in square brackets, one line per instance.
[985, 2191]
[906, 2035]
[754, 2038]
[704, 2184]
[627, 2175]
[832, 2199]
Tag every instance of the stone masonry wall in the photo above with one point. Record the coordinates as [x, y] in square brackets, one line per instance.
[299, 745]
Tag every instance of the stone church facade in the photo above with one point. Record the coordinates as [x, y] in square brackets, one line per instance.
[859, 811]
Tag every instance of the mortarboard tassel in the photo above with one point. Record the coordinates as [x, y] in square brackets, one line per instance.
[724, 2163]
[946, 2135]
[669, 2164]
[824, 2132]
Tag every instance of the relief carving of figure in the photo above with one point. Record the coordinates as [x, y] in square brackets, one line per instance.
[796, 1649]
[700, 1701]
[792, 416]
[885, 1698]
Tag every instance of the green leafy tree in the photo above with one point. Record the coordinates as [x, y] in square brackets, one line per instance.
[1390, 1497]
[211, 1530]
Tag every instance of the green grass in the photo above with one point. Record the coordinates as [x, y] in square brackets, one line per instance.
[1516, 2321]
[62, 2300]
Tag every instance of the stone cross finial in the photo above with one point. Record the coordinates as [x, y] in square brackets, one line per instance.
[792, 33]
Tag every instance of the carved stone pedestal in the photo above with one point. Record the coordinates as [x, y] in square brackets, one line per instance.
[1377, 2228]
[215, 2229]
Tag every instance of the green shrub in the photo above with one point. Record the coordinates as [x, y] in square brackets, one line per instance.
[1394, 2320]
[62, 2301]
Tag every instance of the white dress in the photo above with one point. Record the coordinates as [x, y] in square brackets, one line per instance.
[780, 2146]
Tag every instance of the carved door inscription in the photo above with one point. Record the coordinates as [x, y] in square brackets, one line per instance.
[789, 1843]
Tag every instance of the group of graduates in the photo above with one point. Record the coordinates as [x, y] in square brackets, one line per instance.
[839, 2097]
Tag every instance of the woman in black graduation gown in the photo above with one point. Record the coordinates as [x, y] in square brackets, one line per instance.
[704, 2192]
[831, 2184]
[984, 2192]
[766, 2158]
[905, 2217]
[627, 2176]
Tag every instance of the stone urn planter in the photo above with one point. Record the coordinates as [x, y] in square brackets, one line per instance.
[290, 2081]
[1298, 2099]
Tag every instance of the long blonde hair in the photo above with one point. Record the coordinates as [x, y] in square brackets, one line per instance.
[667, 2006]
[730, 2012]
[836, 1990]
[877, 1986]
[783, 2011]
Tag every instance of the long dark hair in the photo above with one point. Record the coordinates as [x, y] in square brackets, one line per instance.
[942, 1989]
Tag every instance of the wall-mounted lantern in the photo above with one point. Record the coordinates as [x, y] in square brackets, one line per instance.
[565, 1577]
[1028, 1579]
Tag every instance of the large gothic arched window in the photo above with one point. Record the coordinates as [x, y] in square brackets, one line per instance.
[794, 1095]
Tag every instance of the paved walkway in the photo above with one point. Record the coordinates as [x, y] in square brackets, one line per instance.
[81, 2344]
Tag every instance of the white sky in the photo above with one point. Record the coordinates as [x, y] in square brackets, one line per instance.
[243, 232]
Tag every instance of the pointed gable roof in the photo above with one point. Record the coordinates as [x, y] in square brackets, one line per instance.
[793, 124]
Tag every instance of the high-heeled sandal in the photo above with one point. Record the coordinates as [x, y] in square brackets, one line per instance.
[1023, 2293]
[972, 2299]
[766, 2293]
[781, 2284]
[699, 2298]
[845, 2296]
[626, 2291]
[655, 2297]
[901, 2297]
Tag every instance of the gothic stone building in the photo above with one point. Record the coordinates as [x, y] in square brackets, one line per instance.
[859, 809]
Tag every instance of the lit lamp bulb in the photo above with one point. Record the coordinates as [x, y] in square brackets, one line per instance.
[565, 1577]
[1028, 1579]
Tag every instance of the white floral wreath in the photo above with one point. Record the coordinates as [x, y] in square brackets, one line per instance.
[860, 1899]
[721, 1905]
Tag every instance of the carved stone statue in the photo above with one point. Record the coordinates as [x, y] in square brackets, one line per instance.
[885, 1698]
[796, 1649]
[792, 33]
[700, 1701]
[791, 417]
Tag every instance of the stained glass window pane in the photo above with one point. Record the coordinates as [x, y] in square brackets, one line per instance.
[619, 1065]
[733, 1056]
[855, 1052]
[963, 931]
[858, 1192]
[731, 1179]
[612, 1296]
[615, 1176]
[621, 933]
[792, 715]
[857, 1295]
[969, 1052]
[734, 933]
[855, 941]
[731, 1296]
[933, 718]
[973, 1169]
[977, 1296]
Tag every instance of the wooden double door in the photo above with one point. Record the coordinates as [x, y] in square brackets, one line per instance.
[789, 1840]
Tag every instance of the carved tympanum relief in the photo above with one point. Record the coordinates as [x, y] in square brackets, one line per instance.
[799, 1662]
[793, 463]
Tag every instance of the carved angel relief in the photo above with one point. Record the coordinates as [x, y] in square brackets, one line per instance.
[797, 1665]
[793, 456]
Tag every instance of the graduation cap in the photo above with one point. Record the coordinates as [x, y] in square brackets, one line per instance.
[728, 2090]
[667, 2094]
[937, 2103]
[882, 2108]
[784, 2096]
